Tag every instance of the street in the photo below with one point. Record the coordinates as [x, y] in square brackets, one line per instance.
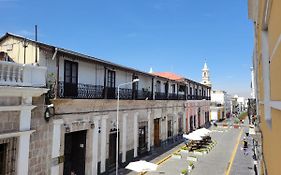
[227, 157]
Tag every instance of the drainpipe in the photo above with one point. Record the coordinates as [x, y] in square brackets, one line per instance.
[55, 54]
[57, 64]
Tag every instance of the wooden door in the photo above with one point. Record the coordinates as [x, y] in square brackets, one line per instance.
[2, 159]
[70, 79]
[111, 84]
[142, 140]
[156, 133]
[166, 89]
[112, 149]
[74, 153]
[135, 87]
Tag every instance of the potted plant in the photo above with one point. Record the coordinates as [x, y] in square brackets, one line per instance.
[236, 121]
[184, 172]
[184, 150]
[51, 84]
[176, 156]
[198, 152]
[190, 166]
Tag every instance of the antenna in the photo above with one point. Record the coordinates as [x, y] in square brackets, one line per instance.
[36, 55]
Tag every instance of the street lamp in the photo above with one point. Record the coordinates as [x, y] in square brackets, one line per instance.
[117, 122]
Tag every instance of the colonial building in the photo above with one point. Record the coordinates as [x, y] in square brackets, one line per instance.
[266, 16]
[82, 137]
[220, 105]
[23, 141]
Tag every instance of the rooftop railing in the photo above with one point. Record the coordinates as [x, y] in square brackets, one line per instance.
[14, 74]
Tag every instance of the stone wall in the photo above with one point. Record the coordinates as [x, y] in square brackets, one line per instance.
[9, 121]
[40, 140]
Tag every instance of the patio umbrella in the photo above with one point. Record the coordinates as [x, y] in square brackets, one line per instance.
[200, 133]
[192, 136]
[206, 130]
[203, 132]
[141, 166]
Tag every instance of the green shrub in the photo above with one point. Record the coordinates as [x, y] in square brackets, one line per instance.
[184, 171]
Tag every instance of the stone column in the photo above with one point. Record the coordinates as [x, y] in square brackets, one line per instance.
[124, 137]
[188, 115]
[56, 144]
[175, 124]
[136, 138]
[148, 131]
[95, 144]
[184, 121]
[103, 143]
[203, 114]
[23, 154]
[24, 139]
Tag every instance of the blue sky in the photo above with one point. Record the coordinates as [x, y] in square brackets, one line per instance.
[167, 35]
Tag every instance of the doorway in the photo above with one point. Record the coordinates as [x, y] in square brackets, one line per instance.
[2, 158]
[191, 123]
[135, 87]
[74, 153]
[70, 79]
[156, 132]
[111, 80]
[112, 148]
[142, 140]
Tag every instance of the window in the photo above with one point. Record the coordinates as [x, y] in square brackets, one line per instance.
[111, 79]
[173, 88]
[170, 128]
[158, 86]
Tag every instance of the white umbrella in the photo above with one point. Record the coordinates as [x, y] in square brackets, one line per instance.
[141, 166]
[200, 133]
[206, 130]
[192, 136]
[203, 132]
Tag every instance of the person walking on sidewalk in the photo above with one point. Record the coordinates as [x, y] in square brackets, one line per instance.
[245, 146]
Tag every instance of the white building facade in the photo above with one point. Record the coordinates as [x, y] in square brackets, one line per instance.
[82, 132]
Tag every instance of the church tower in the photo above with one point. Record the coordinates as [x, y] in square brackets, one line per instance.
[206, 76]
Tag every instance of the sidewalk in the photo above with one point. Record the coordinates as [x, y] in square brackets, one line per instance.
[155, 156]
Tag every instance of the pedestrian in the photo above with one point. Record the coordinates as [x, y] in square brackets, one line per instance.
[245, 146]
[186, 141]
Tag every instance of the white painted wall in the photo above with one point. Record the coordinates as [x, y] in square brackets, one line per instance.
[218, 97]
[88, 73]
[214, 115]
[145, 82]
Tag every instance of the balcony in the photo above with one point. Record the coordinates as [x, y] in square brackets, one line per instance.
[88, 91]
[83, 91]
[160, 96]
[14, 74]
[143, 95]
[173, 96]
[182, 97]
[124, 94]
